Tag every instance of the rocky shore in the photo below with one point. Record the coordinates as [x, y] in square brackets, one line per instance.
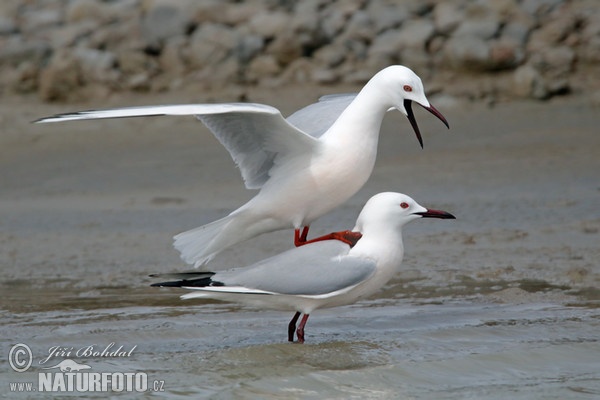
[478, 50]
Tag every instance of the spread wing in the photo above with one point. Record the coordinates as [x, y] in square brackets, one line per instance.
[254, 134]
[317, 118]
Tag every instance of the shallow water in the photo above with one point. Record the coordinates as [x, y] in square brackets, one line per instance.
[386, 348]
[501, 303]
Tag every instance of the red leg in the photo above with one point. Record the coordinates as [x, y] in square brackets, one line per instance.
[292, 327]
[300, 330]
[300, 238]
[348, 237]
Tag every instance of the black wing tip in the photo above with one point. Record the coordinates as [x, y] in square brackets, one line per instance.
[58, 117]
[187, 279]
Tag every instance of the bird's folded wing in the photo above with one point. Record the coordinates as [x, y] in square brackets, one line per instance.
[318, 269]
[254, 134]
[315, 119]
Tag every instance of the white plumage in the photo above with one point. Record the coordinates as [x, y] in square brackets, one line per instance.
[304, 166]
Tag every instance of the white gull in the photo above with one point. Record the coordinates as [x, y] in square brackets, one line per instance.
[323, 274]
[304, 166]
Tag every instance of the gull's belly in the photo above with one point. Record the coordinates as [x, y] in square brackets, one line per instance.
[302, 192]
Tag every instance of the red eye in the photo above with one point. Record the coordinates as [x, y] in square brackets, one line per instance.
[407, 88]
[404, 205]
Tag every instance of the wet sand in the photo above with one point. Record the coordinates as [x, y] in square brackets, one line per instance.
[501, 302]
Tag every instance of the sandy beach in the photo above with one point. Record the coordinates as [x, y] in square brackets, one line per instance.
[88, 210]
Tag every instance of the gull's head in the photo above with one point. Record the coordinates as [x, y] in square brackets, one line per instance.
[403, 87]
[392, 210]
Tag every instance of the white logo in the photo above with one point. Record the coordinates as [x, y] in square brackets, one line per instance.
[20, 357]
[69, 366]
[72, 376]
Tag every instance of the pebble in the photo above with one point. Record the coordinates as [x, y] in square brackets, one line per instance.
[64, 49]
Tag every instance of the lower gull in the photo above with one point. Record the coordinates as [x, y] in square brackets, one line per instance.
[335, 270]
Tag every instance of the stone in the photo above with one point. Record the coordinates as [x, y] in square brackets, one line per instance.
[529, 83]
[164, 21]
[387, 45]
[360, 27]
[171, 58]
[285, 48]
[269, 24]
[415, 33]
[467, 52]
[60, 78]
[331, 55]
[35, 21]
[387, 16]
[96, 65]
[262, 67]
[69, 35]
[447, 16]
[15, 51]
[211, 44]
[324, 76]
[480, 21]
[82, 10]
[248, 47]
[551, 33]
[505, 54]
[7, 26]
[540, 7]
[516, 31]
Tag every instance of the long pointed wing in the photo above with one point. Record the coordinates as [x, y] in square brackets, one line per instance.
[315, 119]
[317, 269]
[254, 134]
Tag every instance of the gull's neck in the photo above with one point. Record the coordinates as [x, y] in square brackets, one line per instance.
[362, 118]
[382, 244]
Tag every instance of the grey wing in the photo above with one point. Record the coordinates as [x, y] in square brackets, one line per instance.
[254, 134]
[316, 118]
[316, 269]
[255, 141]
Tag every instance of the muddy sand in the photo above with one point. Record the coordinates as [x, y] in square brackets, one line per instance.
[88, 209]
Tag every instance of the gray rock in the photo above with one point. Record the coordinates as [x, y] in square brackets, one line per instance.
[528, 82]
[7, 26]
[552, 32]
[60, 78]
[15, 51]
[387, 45]
[540, 7]
[96, 65]
[262, 67]
[505, 54]
[269, 24]
[248, 47]
[360, 27]
[387, 16]
[82, 10]
[333, 23]
[447, 16]
[415, 33]
[480, 21]
[467, 52]
[517, 31]
[164, 21]
[330, 56]
[211, 44]
[324, 76]
[286, 48]
[68, 35]
[34, 21]
[171, 58]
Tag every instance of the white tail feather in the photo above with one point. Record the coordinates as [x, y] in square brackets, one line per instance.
[200, 245]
